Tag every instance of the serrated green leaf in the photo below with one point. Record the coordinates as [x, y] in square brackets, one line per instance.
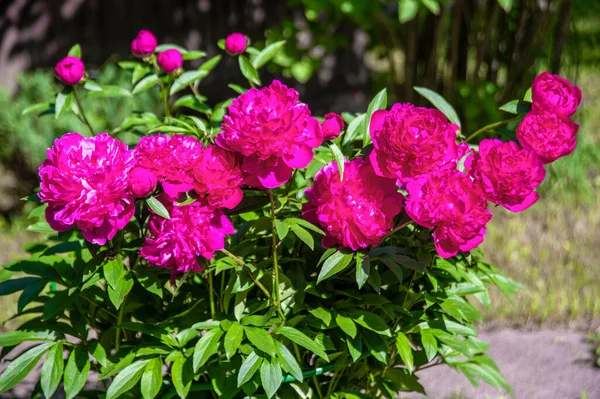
[126, 379]
[248, 368]
[76, 372]
[22, 366]
[182, 375]
[378, 102]
[304, 341]
[260, 339]
[248, 70]
[303, 235]
[186, 79]
[440, 103]
[206, 347]
[52, 370]
[270, 376]
[429, 344]
[334, 264]
[158, 207]
[233, 339]
[146, 83]
[267, 54]
[151, 379]
[405, 351]
[288, 361]
[346, 324]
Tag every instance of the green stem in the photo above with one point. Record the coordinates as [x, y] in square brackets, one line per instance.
[163, 92]
[80, 107]
[274, 251]
[119, 321]
[252, 276]
[492, 126]
[211, 295]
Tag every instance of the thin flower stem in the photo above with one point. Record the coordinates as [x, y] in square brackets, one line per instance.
[274, 251]
[252, 276]
[397, 228]
[211, 295]
[163, 92]
[119, 321]
[491, 126]
[80, 107]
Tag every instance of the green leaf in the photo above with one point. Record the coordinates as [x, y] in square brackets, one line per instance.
[206, 347]
[432, 5]
[151, 378]
[117, 295]
[76, 372]
[52, 370]
[92, 86]
[270, 376]
[429, 344]
[75, 51]
[518, 107]
[354, 347]
[346, 324]
[57, 304]
[146, 83]
[440, 103]
[21, 367]
[248, 70]
[260, 339]
[193, 55]
[303, 235]
[322, 314]
[114, 271]
[405, 351]
[13, 338]
[282, 229]
[36, 108]
[98, 352]
[248, 368]
[353, 130]
[376, 345]
[339, 159]
[186, 79]
[334, 264]
[41, 227]
[506, 4]
[288, 361]
[210, 64]
[158, 207]
[62, 102]
[363, 269]
[267, 54]
[371, 321]
[168, 46]
[407, 10]
[182, 375]
[528, 94]
[109, 91]
[304, 223]
[149, 281]
[304, 341]
[139, 72]
[237, 88]
[193, 102]
[126, 379]
[13, 285]
[378, 102]
[233, 339]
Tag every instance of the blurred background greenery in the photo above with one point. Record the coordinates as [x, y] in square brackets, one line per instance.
[477, 53]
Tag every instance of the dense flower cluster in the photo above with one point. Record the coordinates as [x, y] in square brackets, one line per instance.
[273, 131]
[411, 141]
[356, 212]
[85, 183]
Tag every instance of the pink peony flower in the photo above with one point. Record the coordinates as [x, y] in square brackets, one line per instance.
[218, 174]
[550, 136]
[356, 212]
[171, 159]
[70, 70]
[236, 43]
[170, 60]
[273, 131]
[332, 126]
[506, 174]
[411, 141]
[194, 230]
[142, 182]
[554, 94]
[84, 181]
[449, 202]
[144, 44]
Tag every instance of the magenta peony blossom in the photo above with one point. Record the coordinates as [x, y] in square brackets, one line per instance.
[193, 230]
[236, 43]
[170, 60]
[171, 159]
[332, 126]
[411, 141]
[142, 182]
[144, 44]
[550, 136]
[70, 70]
[273, 131]
[449, 202]
[84, 181]
[356, 212]
[554, 94]
[506, 174]
[218, 174]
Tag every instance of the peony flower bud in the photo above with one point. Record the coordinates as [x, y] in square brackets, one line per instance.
[554, 94]
[142, 182]
[170, 60]
[332, 126]
[236, 43]
[144, 44]
[70, 70]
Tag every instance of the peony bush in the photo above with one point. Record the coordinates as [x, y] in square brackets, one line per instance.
[253, 249]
